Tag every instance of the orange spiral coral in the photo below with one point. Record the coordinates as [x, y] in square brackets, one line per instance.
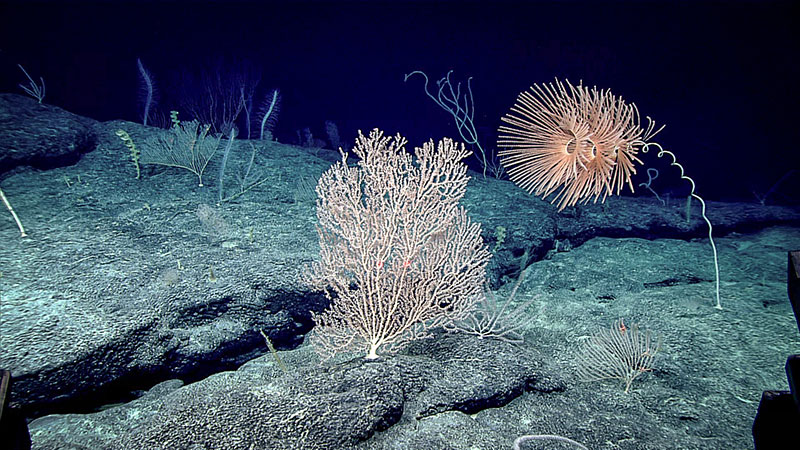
[575, 141]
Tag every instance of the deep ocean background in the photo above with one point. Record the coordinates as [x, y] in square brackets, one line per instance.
[721, 75]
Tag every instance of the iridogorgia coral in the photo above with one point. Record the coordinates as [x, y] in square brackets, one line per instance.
[579, 143]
